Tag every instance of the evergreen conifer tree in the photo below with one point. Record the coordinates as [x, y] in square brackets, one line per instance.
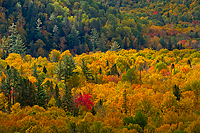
[67, 103]
[176, 92]
[57, 96]
[68, 66]
[86, 70]
[5, 47]
[15, 42]
[59, 70]
[41, 95]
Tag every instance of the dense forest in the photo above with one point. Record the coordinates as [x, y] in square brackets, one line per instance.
[125, 91]
[84, 26]
[99, 66]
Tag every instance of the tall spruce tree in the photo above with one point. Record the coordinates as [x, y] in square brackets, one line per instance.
[5, 47]
[59, 70]
[68, 66]
[26, 92]
[176, 92]
[57, 96]
[86, 70]
[15, 76]
[12, 37]
[94, 39]
[41, 95]
[34, 71]
[15, 42]
[114, 71]
[6, 86]
[67, 103]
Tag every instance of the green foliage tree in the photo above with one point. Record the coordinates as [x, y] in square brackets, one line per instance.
[86, 70]
[12, 37]
[41, 95]
[176, 92]
[195, 87]
[163, 42]
[189, 63]
[94, 39]
[113, 70]
[139, 119]
[57, 96]
[15, 42]
[130, 75]
[5, 47]
[26, 92]
[160, 65]
[69, 66]
[59, 70]
[34, 71]
[68, 102]
[6, 86]
[102, 41]
[115, 46]
[96, 127]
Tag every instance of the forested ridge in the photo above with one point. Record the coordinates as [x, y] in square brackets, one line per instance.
[114, 91]
[83, 26]
[100, 66]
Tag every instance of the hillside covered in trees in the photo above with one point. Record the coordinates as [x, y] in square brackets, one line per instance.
[100, 66]
[38, 26]
[104, 92]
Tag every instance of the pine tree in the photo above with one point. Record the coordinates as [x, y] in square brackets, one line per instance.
[107, 63]
[125, 101]
[44, 70]
[115, 46]
[57, 96]
[67, 103]
[34, 71]
[189, 63]
[162, 42]
[19, 47]
[59, 70]
[26, 92]
[73, 38]
[170, 44]
[41, 95]
[12, 37]
[6, 86]
[102, 42]
[15, 76]
[15, 42]
[68, 66]
[114, 71]
[86, 70]
[94, 39]
[5, 47]
[176, 92]
[38, 23]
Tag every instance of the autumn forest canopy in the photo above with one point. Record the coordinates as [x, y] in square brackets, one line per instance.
[100, 66]
[84, 26]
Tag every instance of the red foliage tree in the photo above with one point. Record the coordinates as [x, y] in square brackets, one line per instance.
[155, 12]
[84, 100]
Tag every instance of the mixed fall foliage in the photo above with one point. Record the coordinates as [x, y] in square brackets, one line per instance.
[83, 26]
[98, 66]
[113, 91]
